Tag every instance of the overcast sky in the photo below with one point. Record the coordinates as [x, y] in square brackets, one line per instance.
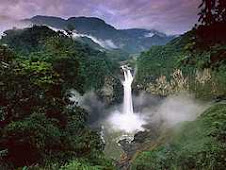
[169, 16]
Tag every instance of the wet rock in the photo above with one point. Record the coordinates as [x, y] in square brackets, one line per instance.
[140, 137]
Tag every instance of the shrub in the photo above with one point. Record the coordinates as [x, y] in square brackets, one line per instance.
[196, 145]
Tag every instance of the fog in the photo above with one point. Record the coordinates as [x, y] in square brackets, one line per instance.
[107, 44]
[12, 24]
[171, 110]
[164, 112]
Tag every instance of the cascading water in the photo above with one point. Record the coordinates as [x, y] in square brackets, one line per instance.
[127, 100]
[126, 120]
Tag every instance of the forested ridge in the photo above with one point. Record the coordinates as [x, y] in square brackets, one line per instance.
[197, 53]
[41, 128]
[194, 62]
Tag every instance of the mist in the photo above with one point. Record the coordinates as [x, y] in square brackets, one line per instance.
[170, 111]
[8, 24]
[107, 44]
[156, 111]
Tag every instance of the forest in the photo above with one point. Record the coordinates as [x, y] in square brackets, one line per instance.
[41, 128]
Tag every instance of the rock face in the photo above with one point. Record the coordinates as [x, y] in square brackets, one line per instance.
[140, 138]
[108, 90]
[112, 91]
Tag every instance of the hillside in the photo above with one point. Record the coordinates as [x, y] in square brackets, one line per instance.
[40, 43]
[131, 40]
[80, 94]
[191, 145]
[200, 70]
[39, 67]
[194, 64]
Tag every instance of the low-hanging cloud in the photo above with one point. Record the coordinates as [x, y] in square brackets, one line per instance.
[7, 24]
[108, 44]
[169, 111]
[179, 108]
[171, 17]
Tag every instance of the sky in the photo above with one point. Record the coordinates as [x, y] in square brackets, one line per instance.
[168, 16]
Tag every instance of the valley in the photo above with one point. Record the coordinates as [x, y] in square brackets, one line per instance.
[81, 94]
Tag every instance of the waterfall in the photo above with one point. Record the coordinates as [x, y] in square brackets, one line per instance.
[126, 120]
[127, 100]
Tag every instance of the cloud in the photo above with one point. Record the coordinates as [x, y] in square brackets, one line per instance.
[108, 44]
[176, 109]
[174, 16]
[9, 23]
[149, 35]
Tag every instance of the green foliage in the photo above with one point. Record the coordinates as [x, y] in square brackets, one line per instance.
[81, 165]
[39, 125]
[75, 165]
[28, 140]
[220, 80]
[208, 84]
[162, 60]
[195, 145]
[127, 39]
[26, 40]
[78, 65]
[95, 162]
[159, 60]
[6, 54]
[183, 53]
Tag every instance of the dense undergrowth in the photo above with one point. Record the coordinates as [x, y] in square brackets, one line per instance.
[195, 145]
[194, 62]
[203, 69]
[40, 126]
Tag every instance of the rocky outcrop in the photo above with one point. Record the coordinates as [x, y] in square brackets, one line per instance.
[141, 141]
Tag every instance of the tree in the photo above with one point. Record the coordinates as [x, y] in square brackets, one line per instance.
[37, 122]
[212, 11]
[221, 10]
[207, 14]
[211, 29]
[69, 29]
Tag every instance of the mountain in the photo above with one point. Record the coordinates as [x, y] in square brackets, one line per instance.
[129, 40]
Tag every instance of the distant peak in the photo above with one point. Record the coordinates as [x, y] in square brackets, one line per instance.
[87, 18]
[43, 16]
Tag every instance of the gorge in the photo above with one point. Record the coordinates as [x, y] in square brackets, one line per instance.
[77, 93]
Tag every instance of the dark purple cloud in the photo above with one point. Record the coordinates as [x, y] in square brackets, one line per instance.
[170, 16]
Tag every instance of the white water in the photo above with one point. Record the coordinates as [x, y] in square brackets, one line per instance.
[126, 120]
[127, 100]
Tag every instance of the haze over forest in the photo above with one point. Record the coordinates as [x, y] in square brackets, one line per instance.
[112, 85]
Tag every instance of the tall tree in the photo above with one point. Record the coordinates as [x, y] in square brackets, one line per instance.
[207, 14]
[221, 10]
